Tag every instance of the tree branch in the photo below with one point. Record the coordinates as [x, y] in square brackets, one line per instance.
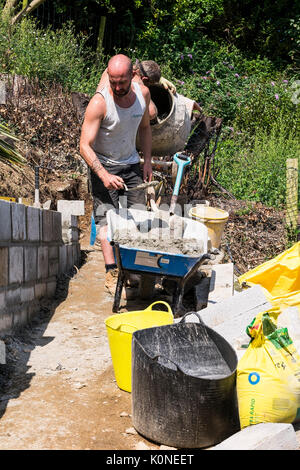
[32, 6]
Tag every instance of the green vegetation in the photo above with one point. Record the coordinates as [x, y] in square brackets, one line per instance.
[238, 59]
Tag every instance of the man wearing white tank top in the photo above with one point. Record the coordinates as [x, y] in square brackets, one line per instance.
[108, 145]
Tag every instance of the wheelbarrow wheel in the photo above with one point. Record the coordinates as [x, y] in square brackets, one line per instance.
[146, 289]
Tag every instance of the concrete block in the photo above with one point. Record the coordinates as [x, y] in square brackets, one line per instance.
[53, 252]
[5, 221]
[76, 253]
[6, 321]
[67, 235]
[51, 288]
[69, 208]
[18, 217]
[47, 230]
[57, 226]
[13, 297]
[2, 300]
[20, 316]
[33, 308]
[70, 257]
[30, 263]
[15, 264]
[3, 266]
[221, 283]
[2, 352]
[231, 317]
[74, 221]
[262, 436]
[27, 293]
[53, 267]
[42, 262]
[62, 259]
[33, 224]
[40, 290]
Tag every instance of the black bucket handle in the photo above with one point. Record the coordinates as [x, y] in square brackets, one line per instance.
[155, 358]
[192, 313]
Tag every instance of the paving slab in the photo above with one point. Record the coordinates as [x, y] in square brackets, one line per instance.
[262, 436]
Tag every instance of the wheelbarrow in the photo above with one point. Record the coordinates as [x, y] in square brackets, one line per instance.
[153, 264]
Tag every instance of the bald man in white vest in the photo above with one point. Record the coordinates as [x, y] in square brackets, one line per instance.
[108, 145]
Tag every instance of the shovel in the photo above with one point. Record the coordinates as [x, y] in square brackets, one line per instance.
[182, 161]
[141, 186]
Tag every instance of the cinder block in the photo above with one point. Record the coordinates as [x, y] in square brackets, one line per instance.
[221, 283]
[18, 217]
[67, 235]
[15, 264]
[20, 316]
[47, 233]
[57, 226]
[33, 308]
[42, 262]
[51, 288]
[2, 353]
[53, 267]
[30, 263]
[40, 290]
[262, 436]
[70, 257]
[2, 300]
[68, 208]
[27, 294]
[3, 266]
[5, 221]
[33, 224]
[13, 297]
[53, 252]
[74, 221]
[6, 321]
[231, 317]
[62, 259]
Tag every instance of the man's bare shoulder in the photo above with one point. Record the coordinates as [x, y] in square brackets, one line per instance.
[96, 106]
[146, 93]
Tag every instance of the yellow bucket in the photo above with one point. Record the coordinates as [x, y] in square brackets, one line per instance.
[214, 219]
[120, 328]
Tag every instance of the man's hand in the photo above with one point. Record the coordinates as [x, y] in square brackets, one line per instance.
[147, 171]
[167, 85]
[112, 181]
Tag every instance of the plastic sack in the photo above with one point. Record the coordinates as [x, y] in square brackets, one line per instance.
[279, 277]
[268, 375]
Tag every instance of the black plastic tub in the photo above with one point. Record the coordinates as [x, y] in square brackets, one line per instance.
[184, 385]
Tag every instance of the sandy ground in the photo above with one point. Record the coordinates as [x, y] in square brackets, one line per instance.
[58, 390]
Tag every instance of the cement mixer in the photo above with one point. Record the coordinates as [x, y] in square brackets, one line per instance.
[172, 127]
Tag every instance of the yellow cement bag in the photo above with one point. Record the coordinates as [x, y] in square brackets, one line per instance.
[279, 278]
[268, 375]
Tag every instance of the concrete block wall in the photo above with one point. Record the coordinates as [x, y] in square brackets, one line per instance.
[34, 251]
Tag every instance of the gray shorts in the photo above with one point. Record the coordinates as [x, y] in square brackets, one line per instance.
[105, 199]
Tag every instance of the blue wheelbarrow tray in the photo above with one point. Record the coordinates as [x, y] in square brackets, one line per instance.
[155, 261]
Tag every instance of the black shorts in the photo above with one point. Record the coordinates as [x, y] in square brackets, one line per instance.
[105, 199]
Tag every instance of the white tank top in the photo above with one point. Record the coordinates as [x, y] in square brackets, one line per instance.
[115, 142]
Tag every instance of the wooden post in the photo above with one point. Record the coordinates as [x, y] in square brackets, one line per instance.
[292, 193]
